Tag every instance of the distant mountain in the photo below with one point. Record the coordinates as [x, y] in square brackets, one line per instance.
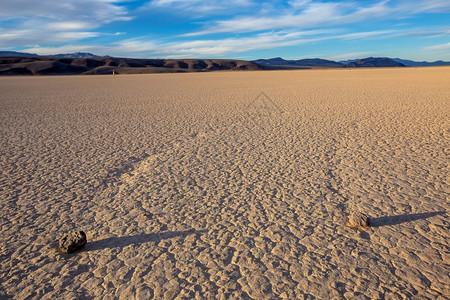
[348, 61]
[311, 62]
[374, 62]
[76, 55]
[317, 62]
[411, 63]
[17, 54]
[280, 63]
[276, 61]
[68, 55]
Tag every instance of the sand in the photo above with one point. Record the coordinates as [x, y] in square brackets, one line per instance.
[199, 186]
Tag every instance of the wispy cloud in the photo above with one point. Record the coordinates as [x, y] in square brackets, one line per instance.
[199, 8]
[445, 46]
[100, 11]
[351, 55]
[423, 32]
[309, 14]
[365, 34]
[213, 47]
[313, 15]
[50, 21]
[197, 48]
[38, 36]
[296, 4]
[66, 49]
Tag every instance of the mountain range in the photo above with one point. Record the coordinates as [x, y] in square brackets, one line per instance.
[107, 65]
[67, 55]
[19, 63]
[374, 62]
[411, 63]
[314, 62]
[280, 63]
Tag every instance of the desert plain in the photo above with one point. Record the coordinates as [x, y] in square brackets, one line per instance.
[227, 185]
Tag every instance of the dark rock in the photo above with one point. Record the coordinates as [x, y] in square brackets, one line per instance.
[72, 241]
[359, 220]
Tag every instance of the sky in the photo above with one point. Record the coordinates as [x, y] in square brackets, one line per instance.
[235, 29]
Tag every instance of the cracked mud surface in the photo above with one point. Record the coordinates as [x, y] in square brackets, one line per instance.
[199, 186]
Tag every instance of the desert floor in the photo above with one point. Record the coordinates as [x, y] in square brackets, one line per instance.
[227, 185]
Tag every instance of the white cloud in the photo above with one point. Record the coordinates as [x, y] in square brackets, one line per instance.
[438, 47]
[141, 47]
[423, 32]
[145, 47]
[264, 41]
[314, 14]
[199, 8]
[227, 46]
[296, 4]
[100, 11]
[65, 49]
[376, 10]
[128, 47]
[47, 22]
[200, 3]
[69, 25]
[310, 14]
[361, 35]
[352, 55]
[41, 35]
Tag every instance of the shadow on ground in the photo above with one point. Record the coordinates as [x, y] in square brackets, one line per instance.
[123, 241]
[394, 220]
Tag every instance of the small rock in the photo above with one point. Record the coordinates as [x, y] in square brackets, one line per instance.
[359, 220]
[72, 241]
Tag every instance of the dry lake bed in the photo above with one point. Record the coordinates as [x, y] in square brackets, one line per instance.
[227, 185]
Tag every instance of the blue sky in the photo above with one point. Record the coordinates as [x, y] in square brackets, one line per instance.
[239, 29]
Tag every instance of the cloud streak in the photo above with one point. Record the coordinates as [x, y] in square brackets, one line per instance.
[445, 46]
[99, 10]
[50, 21]
[199, 8]
[309, 14]
[351, 55]
[214, 47]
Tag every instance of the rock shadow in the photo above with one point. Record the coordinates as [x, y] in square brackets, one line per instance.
[398, 219]
[123, 241]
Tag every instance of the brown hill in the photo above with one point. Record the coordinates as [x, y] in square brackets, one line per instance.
[106, 65]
